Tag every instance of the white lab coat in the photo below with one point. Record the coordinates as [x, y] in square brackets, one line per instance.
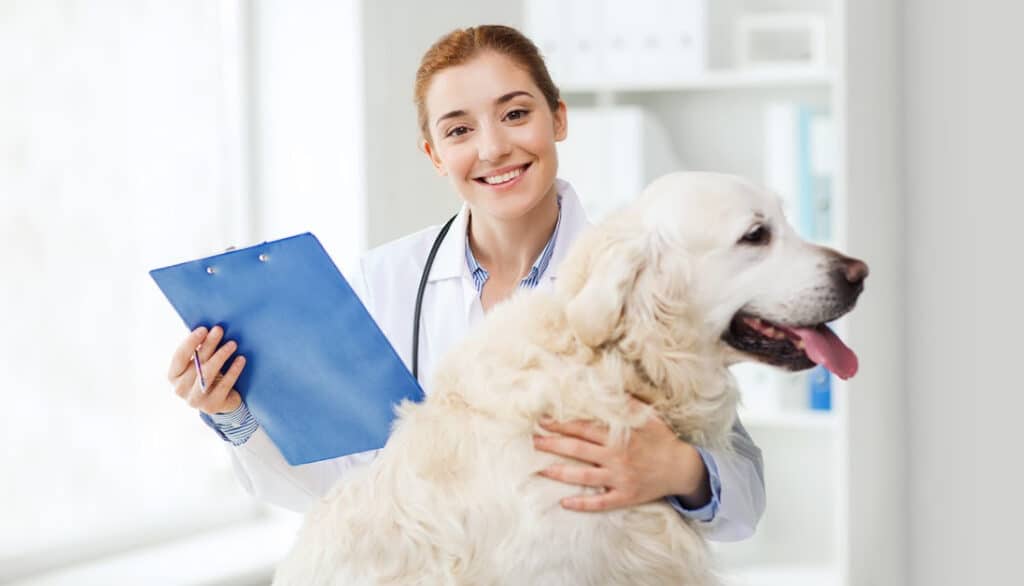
[387, 284]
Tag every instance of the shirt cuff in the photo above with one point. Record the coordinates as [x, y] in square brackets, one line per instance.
[236, 427]
[706, 513]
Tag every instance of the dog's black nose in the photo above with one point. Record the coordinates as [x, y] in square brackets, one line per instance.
[854, 271]
[848, 276]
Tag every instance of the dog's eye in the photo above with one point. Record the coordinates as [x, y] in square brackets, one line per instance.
[757, 235]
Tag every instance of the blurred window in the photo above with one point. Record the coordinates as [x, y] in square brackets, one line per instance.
[117, 155]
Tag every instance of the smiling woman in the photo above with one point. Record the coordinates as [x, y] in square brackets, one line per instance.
[496, 145]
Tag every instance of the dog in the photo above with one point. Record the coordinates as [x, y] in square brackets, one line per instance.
[700, 272]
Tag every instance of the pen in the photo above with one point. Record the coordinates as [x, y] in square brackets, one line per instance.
[199, 371]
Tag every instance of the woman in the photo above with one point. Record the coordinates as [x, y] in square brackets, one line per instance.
[490, 117]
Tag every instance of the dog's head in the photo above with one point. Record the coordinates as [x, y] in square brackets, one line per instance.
[707, 262]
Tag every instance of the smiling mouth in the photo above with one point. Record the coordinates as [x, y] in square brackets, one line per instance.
[791, 347]
[503, 178]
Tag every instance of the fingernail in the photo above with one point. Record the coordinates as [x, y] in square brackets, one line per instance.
[547, 420]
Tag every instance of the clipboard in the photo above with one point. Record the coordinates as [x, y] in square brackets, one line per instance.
[320, 377]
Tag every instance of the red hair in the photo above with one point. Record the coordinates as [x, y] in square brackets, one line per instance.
[462, 45]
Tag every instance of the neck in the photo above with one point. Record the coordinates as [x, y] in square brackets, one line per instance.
[506, 249]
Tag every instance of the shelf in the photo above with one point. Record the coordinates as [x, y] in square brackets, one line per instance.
[788, 419]
[717, 80]
[783, 575]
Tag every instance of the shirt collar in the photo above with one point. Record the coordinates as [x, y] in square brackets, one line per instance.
[451, 261]
[480, 274]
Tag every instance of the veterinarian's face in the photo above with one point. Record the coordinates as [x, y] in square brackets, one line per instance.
[494, 135]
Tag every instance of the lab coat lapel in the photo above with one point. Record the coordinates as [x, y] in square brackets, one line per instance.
[449, 286]
[574, 222]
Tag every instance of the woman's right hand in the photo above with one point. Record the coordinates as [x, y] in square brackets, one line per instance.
[220, 395]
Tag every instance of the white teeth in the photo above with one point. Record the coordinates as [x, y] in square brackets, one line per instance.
[766, 329]
[496, 179]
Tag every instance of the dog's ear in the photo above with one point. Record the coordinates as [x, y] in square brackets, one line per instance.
[597, 278]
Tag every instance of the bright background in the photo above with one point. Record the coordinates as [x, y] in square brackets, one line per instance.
[136, 134]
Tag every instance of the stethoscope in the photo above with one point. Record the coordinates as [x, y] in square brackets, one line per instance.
[419, 296]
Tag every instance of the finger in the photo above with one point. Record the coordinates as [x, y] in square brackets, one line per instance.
[592, 432]
[212, 367]
[195, 395]
[216, 394]
[182, 359]
[186, 382]
[571, 447]
[579, 475]
[605, 501]
[209, 345]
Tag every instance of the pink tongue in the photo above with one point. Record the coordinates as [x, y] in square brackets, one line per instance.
[825, 348]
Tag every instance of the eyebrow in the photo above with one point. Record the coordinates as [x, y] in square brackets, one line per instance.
[500, 100]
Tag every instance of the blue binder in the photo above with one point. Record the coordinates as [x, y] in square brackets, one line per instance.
[320, 377]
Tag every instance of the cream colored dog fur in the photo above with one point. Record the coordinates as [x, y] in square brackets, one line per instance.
[641, 306]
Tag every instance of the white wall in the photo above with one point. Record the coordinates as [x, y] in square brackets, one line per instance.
[875, 210]
[306, 114]
[963, 125]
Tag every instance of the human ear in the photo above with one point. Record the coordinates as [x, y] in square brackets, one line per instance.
[435, 160]
[561, 121]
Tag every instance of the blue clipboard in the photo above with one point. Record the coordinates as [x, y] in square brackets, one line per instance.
[320, 377]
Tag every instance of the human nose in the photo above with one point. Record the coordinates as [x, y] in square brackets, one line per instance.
[493, 144]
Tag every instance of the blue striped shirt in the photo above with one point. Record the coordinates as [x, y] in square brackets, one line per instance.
[236, 427]
[480, 274]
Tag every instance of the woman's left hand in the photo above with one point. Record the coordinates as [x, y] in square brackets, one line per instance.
[653, 464]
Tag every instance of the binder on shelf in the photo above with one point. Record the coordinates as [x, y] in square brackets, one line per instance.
[819, 386]
[585, 39]
[320, 377]
[592, 43]
[655, 41]
[682, 39]
[799, 166]
[544, 25]
[624, 33]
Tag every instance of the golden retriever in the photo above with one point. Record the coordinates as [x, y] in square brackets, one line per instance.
[700, 272]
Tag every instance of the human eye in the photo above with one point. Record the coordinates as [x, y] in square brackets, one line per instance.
[456, 131]
[517, 114]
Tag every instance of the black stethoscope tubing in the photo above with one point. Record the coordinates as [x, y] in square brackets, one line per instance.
[419, 296]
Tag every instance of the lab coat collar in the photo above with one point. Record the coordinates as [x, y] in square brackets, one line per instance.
[451, 256]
